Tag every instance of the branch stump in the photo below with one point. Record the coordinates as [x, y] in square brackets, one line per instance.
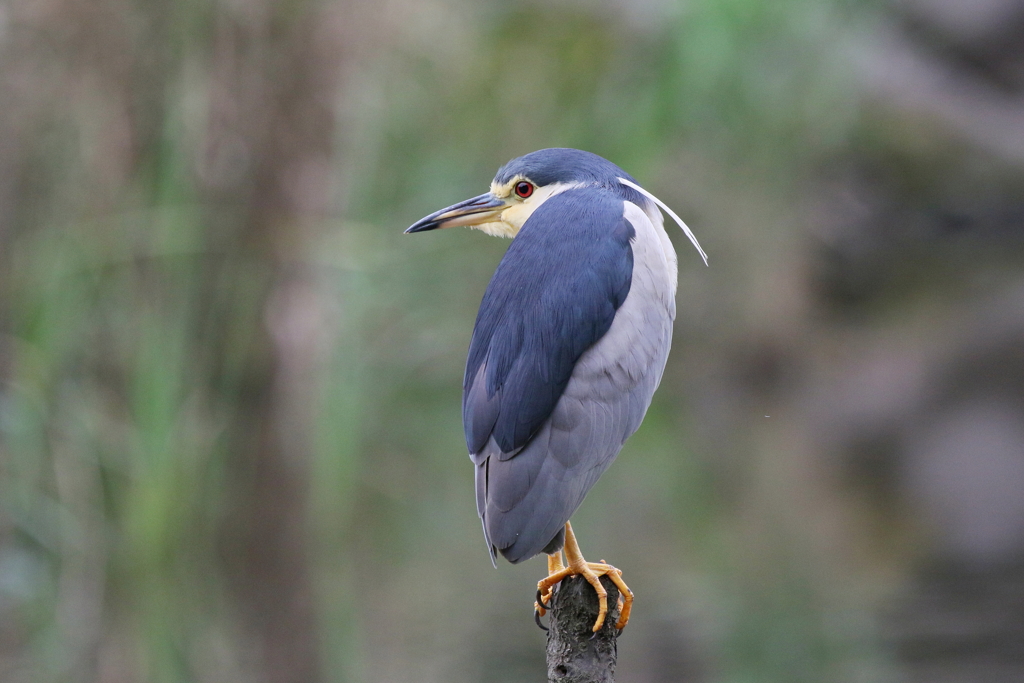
[575, 653]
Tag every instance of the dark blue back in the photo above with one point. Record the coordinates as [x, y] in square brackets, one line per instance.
[553, 295]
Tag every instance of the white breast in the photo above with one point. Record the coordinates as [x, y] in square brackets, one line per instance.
[653, 247]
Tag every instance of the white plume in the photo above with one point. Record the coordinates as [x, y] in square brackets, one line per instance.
[670, 212]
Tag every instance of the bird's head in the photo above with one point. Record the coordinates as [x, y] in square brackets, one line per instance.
[523, 184]
[519, 187]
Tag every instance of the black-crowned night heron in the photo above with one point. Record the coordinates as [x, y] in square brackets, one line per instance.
[569, 345]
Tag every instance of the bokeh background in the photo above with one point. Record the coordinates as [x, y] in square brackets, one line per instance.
[230, 436]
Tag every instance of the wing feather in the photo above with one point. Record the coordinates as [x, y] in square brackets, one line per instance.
[553, 295]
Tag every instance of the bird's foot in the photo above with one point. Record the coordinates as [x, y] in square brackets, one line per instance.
[592, 572]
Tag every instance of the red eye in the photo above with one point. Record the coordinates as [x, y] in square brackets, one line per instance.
[524, 189]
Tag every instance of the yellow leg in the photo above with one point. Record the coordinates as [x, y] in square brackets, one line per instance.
[591, 571]
[554, 566]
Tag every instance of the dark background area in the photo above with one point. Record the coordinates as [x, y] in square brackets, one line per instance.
[230, 434]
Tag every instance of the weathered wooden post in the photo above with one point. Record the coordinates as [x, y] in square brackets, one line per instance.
[575, 653]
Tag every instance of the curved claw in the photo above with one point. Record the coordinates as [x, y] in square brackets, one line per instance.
[536, 618]
[540, 601]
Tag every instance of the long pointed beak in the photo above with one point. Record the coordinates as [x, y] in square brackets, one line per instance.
[481, 209]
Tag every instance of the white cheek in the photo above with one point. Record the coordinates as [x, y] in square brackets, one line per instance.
[517, 214]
